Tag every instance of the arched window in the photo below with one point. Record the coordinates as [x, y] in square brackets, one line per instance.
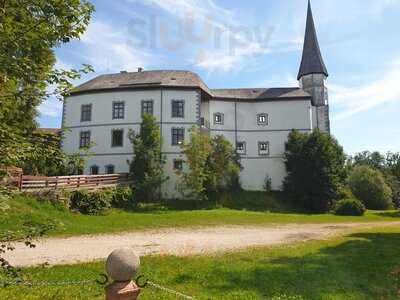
[110, 169]
[94, 170]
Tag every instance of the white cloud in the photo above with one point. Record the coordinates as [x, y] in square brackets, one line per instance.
[108, 49]
[227, 44]
[356, 99]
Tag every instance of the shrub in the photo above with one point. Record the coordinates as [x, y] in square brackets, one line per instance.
[370, 187]
[344, 192]
[122, 197]
[349, 207]
[91, 203]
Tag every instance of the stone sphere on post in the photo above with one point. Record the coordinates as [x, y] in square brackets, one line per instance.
[122, 264]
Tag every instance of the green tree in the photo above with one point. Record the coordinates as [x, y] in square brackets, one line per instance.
[146, 168]
[197, 152]
[223, 167]
[46, 157]
[372, 159]
[369, 185]
[315, 165]
[213, 166]
[29, 32]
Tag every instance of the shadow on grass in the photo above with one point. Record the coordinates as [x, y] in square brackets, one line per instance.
[356, 269]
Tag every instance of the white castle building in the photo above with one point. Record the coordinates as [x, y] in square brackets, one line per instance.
[258, 121]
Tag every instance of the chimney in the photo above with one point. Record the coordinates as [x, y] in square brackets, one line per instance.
[140, 69]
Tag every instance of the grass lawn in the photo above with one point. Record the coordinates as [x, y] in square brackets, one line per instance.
[357, 266]
[270, 211]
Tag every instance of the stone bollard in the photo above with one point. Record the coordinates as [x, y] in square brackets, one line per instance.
[122, 265]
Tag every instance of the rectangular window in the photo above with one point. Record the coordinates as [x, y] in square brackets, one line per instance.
[147, 107]
[178, 136]
[86, 112]
[218, 118]
[117, 138]
[118, 111]
[263, 148]
[178, 164]
[241, 147]
[84, 139]
[178, 108]
[94, 170]
[262, 119]
[110, 169]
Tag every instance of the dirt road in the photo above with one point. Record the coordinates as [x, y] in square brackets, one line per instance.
[187, 241]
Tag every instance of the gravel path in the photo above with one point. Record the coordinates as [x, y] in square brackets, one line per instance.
[182, 242]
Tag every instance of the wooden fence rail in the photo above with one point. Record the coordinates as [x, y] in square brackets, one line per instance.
[73, 182]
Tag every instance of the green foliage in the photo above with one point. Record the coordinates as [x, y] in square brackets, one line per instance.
[30, 31]
[315, 165]
[46, 157]
[344, 192]
[122, 197]
[349, 207]
[374, 160]
[91, 203]
[370, 187]
[197, 151]
[222, 167]
[146, 168]
[213, 167]
[268, 184]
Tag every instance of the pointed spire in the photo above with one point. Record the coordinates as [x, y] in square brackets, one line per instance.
[311, 62]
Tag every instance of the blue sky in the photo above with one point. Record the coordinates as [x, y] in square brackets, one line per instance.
[256, 43]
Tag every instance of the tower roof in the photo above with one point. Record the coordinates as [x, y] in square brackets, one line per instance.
[312, 61]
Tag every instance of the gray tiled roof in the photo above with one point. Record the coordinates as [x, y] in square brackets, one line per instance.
[144, 78]
[169, 78]
[260, 93]
[312, 61]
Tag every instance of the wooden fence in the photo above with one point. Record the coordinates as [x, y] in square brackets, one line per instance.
[73, 182]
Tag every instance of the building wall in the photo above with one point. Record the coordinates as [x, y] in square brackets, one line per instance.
[102, 124]
[240, 124]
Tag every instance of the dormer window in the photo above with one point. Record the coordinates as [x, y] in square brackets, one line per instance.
[262, 119]
[219, 118]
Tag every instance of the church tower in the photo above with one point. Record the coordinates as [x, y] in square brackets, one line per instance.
[313, 74]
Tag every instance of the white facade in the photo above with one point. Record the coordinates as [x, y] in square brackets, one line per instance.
[239, 124]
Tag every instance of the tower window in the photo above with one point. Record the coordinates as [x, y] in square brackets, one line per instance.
[263, 148]
[178, 136]
[117, 138]
[110, 169]
[262, 119]
[178, 108]
[241, 147]
[84, 139]
[118, 109]
[86, 112]
[218, 118]
[147, 107]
